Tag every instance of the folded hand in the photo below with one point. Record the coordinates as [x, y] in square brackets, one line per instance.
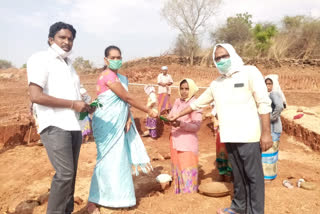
[152, 113]
[266, 142]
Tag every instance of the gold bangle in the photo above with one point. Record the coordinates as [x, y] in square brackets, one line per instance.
[72, 105]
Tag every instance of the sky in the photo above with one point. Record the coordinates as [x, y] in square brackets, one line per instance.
[135, 26]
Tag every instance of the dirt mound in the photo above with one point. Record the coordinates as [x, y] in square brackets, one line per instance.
[12, 74]
[301, 87]
[306, 128]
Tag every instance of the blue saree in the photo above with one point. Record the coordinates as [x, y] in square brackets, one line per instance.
[117, 152]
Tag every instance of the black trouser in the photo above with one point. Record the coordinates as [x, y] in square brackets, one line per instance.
[63, 148]
[245, 159]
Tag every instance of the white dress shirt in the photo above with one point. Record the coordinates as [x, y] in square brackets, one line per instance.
[239, 99]
[58, 79]
[164, 79]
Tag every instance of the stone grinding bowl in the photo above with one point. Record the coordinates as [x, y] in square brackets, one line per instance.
[215, 189]
[308, 185]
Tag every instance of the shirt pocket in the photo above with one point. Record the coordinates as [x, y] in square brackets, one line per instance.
[240, 93]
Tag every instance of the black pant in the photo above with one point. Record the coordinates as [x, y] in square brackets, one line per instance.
[63, 148]
[245, 159]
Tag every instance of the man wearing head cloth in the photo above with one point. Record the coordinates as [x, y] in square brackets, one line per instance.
[243, 106]
[164, 90]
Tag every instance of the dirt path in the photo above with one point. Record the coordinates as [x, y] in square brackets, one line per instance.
[25, 174]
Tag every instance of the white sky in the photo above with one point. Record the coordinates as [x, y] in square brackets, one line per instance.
[134, 25]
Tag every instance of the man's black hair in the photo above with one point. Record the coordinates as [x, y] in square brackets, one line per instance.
[61, 25]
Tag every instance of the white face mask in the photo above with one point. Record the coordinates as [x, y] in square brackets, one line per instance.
[60, 51]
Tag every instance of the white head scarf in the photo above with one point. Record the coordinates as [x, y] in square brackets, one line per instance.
[164, 68]
[236, 61]
[276, 86]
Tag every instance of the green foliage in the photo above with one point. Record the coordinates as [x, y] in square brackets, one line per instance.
[296, 37]
[236, 30]
[82, 65]
[24, 65]
[293, 22]
[263, 35]
[4, 64]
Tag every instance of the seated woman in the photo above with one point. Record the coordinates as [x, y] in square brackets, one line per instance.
[184, 141]
[119, 145]
[151, 123]
[270, 157]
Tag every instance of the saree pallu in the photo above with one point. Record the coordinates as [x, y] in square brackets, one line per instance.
[184, 167]
[270, 158]
[222, 161]
[164, 102]
[117, 151]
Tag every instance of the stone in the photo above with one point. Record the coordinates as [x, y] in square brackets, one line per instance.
[26, 207]
[78, 200]
[43, 198]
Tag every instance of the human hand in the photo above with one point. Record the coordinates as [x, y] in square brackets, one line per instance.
[91, 109]
[152, 113]
[175, 123]
[80, 106]
[266, 142]
[173, 117]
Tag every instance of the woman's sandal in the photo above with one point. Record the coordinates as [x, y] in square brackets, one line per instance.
[92, 208]
[226, 211]
[287, 184]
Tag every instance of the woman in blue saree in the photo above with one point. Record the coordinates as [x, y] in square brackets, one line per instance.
[119, 146]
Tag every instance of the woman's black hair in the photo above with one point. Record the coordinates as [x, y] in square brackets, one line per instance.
[268, 79]
[61, 25]
[183, 81]
[108, 49]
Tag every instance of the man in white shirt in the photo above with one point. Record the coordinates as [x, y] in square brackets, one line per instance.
[243, 106]
[164, 90]
[54, 88]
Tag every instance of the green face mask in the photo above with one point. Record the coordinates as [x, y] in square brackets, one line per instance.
[115, 64]
[224, 65]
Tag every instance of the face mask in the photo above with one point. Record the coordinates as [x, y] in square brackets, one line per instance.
[60, 51]
[115, 64]
[224, 65]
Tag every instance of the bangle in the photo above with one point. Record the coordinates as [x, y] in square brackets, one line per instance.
[72, 105]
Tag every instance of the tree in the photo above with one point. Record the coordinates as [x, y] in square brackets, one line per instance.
[4, 64]
[189, 17]
[293, 22]
[263, 35]
[237, 30]
[182, 46]
[82, 65]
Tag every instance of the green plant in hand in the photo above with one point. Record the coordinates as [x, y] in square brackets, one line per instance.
[96, 103]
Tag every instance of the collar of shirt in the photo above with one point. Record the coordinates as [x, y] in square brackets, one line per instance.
[229, 75]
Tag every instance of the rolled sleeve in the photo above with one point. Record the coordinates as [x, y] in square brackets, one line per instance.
[278, 103]
[260, 91]
[37, 71]
[205, 98]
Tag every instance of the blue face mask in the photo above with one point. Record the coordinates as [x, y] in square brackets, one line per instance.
[224, 65]
[115, 64]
